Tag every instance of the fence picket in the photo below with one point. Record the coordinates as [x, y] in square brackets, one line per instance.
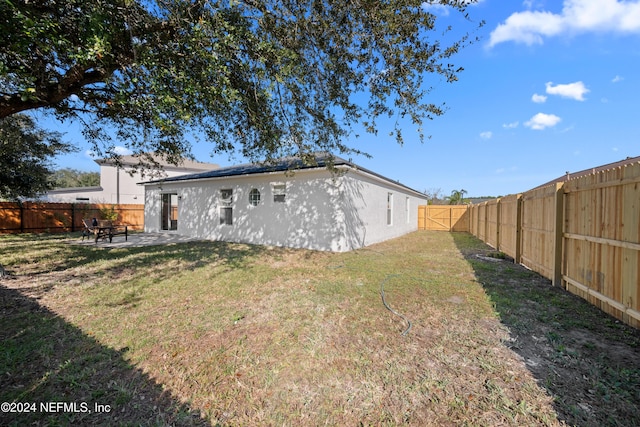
[583, 234]
[37, 217]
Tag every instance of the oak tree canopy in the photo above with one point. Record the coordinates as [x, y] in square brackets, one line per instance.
[25, 157]
[264, 78]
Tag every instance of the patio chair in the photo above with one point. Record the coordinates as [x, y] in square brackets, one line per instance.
[89, 227]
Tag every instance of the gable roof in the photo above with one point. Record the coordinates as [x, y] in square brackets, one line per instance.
[281, 165]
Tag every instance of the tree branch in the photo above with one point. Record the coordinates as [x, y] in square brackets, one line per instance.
[73, 81]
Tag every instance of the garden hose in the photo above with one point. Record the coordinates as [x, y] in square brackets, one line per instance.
[384, 301]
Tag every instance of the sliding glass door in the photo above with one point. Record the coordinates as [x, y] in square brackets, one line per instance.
[169, 211]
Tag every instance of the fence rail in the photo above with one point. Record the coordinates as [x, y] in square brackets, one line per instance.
[35, 217]
[583, 234]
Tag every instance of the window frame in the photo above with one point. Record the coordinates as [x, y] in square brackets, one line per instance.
[226, 201]
[226, 215]
[279, 191]
[225, 210]
[254, 197]
[407, 208]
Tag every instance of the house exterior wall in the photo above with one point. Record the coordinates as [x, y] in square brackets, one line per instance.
[120, 187]
[365, 204]
[321, 211]
[308, 218]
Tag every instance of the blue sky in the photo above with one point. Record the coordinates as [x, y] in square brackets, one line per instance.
[552, 86]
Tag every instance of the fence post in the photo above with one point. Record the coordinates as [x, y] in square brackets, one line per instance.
[486, 221]
[558, 234]
[21, 217]
[498, 219]
[518, 257]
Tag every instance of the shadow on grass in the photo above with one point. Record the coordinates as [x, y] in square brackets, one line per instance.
[46, 360]
[588, 361]
[95, 261]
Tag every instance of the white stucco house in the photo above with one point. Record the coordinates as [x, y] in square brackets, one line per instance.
[311, 208]
[118, 183]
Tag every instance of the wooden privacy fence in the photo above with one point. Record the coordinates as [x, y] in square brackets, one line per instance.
[583, 234]
[35, 217]
[443, 217]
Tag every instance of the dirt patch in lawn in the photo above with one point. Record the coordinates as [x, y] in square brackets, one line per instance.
[588, 361]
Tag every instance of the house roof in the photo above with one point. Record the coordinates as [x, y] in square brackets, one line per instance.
[280, 165]
[185, 164]
[572, 175]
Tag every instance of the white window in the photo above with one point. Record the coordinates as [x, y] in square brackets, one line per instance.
[279, 192]
[389, 208]
[226, 215]
[226, 210]
[407, 210]
[254, 197]
[226, 197]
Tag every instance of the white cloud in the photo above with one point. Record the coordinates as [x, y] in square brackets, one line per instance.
[503, 170]
[122, 151]
[542, 121]
[436, 8]
[529, 4]
[539, 99]
[572, 90]
[617, 79]
[526, 27]
[511, 125]
[486, 135]
[577, 16]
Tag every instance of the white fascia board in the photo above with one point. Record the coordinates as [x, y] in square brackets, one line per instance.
[227, 177]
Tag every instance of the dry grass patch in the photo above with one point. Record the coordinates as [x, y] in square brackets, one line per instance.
[248, 335]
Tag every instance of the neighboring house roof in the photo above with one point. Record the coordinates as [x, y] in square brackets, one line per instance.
[281, 165]
[572, 175]
[134, 160]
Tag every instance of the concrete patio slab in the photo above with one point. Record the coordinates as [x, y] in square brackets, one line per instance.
[135, 240]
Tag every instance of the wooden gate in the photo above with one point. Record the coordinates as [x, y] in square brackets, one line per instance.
[443, 217]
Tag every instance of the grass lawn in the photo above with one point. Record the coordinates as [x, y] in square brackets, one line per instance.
[213, 333]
